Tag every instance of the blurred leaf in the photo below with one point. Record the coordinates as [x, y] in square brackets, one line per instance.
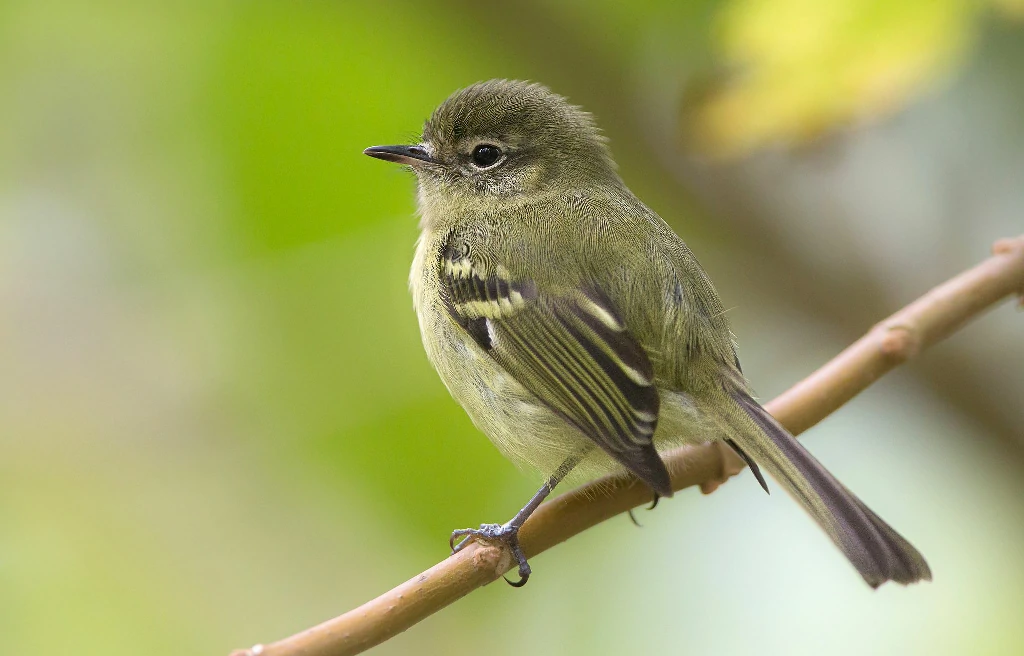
[426, 463]
[291, 112]
[795, 68]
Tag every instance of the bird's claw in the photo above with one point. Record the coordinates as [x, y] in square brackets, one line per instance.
[461, 533]
[504, 533]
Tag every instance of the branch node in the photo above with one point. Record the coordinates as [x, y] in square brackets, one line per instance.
[1007, 246]
[899, 343]
[493, 558]
[729, 464]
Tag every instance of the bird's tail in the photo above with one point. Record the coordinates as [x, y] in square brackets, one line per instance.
[878, 552]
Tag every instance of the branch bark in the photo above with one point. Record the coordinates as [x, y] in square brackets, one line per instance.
[895, 340]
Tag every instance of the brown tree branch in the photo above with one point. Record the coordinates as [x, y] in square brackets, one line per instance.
[902, 336]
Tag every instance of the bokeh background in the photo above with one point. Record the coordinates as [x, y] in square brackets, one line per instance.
[217, 425]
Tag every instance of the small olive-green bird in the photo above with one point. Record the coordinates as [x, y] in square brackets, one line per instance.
[577, 329]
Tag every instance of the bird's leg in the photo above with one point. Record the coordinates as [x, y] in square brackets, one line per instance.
[509, 531]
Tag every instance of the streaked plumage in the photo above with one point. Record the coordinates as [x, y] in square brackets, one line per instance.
[567, 318]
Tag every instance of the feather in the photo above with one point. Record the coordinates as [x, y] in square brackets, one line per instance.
[878, 552]
[571, 350]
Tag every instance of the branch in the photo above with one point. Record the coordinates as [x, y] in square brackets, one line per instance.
[902, 336]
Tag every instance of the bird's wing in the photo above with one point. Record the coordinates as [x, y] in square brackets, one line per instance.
[570, 348]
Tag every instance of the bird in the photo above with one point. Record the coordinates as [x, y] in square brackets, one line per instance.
[577, 329]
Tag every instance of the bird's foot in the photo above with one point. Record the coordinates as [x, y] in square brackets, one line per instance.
[506, 534]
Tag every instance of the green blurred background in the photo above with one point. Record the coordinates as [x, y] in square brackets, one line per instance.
[217, 425]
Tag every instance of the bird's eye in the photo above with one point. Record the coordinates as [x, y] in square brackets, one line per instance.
[486, 155]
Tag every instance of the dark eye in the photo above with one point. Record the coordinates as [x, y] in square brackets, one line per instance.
[486, 155]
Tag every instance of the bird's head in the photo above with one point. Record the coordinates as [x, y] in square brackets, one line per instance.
[502, 139]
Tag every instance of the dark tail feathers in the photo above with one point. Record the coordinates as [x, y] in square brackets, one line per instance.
[878, 552]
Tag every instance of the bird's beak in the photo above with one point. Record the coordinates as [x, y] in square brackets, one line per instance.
[411, 155]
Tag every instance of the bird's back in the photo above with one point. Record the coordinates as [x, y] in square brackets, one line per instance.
[656, 284]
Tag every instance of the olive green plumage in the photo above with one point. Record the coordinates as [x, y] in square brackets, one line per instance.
[569, 320]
